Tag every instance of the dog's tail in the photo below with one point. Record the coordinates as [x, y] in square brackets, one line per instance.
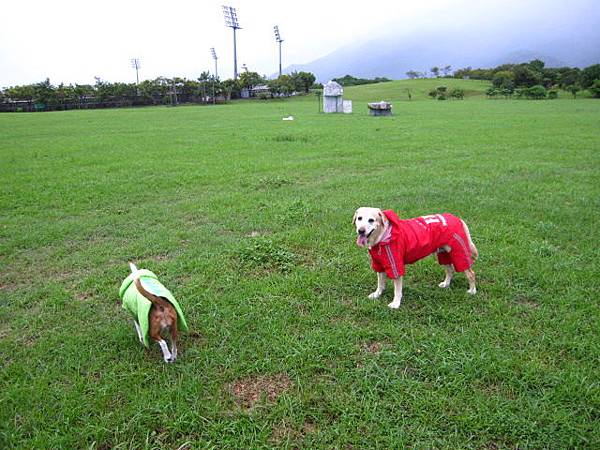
[474, 252]
[157, 301]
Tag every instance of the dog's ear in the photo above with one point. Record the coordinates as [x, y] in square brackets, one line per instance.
[382, 218]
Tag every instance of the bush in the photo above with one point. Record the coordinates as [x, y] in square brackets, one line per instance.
[492, 92]
[595, 89]
[537, 92]
[552, 94]
[457, 93]
[440, 92]
[506, 92]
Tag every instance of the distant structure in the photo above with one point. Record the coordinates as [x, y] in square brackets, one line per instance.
[333, 101]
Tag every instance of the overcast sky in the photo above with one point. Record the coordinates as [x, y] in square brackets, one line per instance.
[74, 41]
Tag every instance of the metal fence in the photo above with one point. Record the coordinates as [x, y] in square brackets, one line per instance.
[91, 103]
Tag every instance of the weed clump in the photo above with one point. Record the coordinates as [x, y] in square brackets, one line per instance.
[266, 255]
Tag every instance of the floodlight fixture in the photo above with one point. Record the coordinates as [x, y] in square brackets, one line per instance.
[214, 56]
[135, 63]
[231, 21]
[279, 41]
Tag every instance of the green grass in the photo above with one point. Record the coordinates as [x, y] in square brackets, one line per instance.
[246, 218]
[419, 89]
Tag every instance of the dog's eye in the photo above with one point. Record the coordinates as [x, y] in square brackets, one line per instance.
[371, 220]
[359, 218]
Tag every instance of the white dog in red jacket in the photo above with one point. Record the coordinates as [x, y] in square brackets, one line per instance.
[392, 243]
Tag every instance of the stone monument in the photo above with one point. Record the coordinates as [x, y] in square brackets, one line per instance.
[380, 108]
[332, 98]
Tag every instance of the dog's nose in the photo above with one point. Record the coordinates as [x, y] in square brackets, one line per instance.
[361, 231]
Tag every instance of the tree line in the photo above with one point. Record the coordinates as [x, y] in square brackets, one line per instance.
[44, 96]
[534, 80]
[349, 80]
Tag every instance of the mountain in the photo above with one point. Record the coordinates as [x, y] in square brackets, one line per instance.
[568, 37]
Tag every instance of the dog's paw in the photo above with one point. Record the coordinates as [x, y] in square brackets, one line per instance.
[375, 294]
[170, 360]
[394, 305]
[444, 284]
[472, 291]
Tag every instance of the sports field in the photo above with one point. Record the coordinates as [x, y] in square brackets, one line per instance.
[246, 219]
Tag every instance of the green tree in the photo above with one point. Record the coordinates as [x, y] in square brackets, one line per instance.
[525, 77]
[574, 89]
[303, 81]
[504, 78]
[589, 75]
[569, 77]
[435, 71]
[412, 74]
[283, 85]
[250, 79]
[595, 89]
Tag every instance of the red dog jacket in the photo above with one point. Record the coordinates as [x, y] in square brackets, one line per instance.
[414, 239]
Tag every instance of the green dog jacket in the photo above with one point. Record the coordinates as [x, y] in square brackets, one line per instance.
[139, 306]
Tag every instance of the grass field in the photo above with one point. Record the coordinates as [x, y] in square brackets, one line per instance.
[246, 218]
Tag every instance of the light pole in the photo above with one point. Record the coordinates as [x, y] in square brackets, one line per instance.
[135, 63]
[231, 21]
[214, 56]
[279, 40]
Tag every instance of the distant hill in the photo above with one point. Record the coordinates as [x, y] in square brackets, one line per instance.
[560, 39]
[398, 90]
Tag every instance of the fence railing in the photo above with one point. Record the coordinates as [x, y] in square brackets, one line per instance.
[92, 103]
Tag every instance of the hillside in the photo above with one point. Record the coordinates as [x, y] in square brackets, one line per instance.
[419, 89]
[484, 37]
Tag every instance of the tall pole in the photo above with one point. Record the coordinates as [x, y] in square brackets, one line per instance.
[235, 72]
[279, 40]
[280, 57]
[135, 63]
[214, 56]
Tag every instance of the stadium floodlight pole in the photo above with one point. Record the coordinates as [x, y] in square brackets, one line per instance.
[135, 63]
[279, 40]
[231, 21]
[214, 56]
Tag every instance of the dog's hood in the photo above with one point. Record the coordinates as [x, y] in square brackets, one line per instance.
[393, 218]
[139, 306]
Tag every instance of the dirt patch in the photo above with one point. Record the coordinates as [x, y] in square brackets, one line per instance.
[526, 301]
[84, 296]
[286, 431]
[248, 391]
[253, 234]
[372, 347]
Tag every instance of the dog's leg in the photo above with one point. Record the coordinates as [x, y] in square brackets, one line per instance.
[139, 331]
[167, 356]
[471, 277]
[174, 343]
[380, 285]
[397, 293]
[449, 273]
[156, 337]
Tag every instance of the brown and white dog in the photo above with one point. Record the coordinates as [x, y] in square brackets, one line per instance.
[155, 311]
[393, 242]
